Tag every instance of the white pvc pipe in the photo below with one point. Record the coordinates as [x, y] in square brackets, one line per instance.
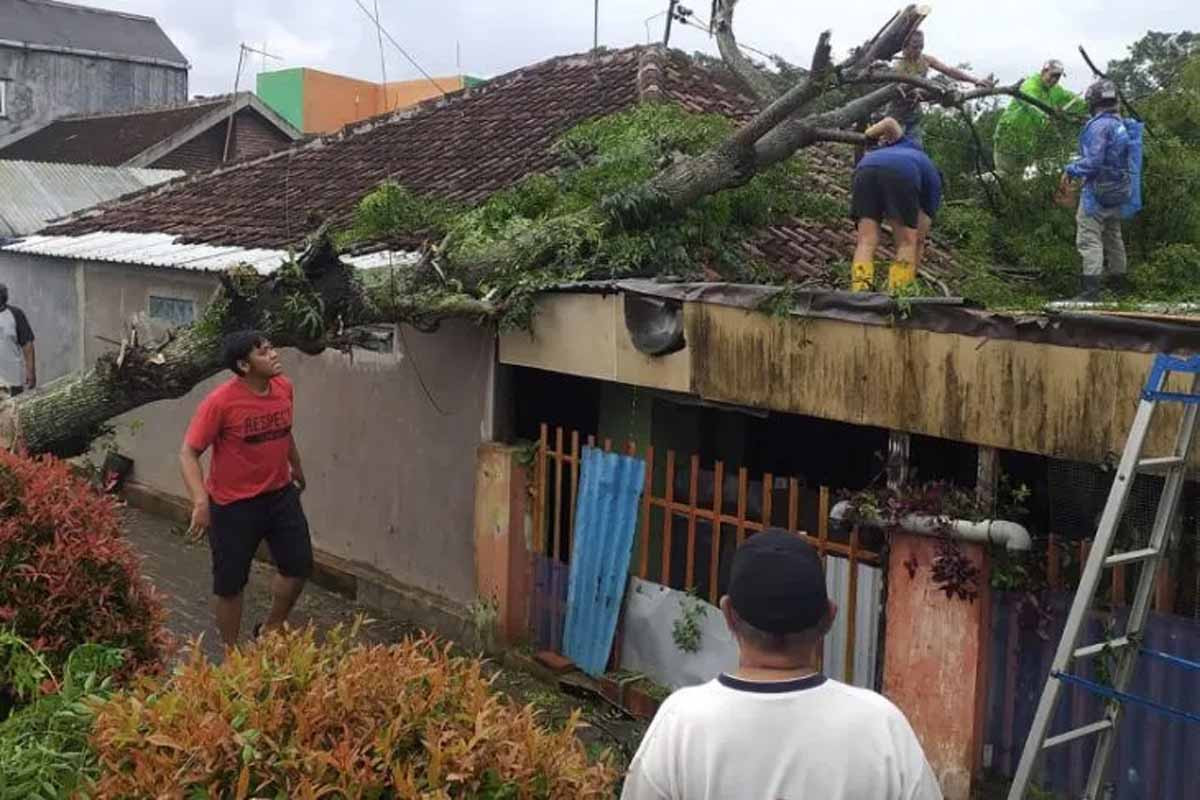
[1010, 534]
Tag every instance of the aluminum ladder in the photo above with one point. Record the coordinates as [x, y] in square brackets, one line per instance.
[1126, 647]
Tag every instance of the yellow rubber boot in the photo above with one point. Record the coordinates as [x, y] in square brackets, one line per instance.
[862, 276]
[901, 274]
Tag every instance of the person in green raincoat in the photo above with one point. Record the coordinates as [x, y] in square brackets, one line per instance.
[1021, 124]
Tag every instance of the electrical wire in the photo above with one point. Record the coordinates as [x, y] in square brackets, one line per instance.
[396, 44]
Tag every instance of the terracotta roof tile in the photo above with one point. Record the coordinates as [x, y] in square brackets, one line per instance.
[465, 146]
[107, 140]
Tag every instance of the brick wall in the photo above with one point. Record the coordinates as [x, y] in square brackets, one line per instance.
[252, 136]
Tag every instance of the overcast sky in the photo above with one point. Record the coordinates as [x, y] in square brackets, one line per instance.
[1010, 38]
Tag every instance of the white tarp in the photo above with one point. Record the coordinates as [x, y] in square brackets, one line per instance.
[651, 611]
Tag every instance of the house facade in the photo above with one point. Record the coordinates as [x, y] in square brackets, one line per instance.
[58, 59]
[322, 102]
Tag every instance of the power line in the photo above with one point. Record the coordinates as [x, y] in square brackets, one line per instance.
[684, 15]
[382, 60]
[396, 44]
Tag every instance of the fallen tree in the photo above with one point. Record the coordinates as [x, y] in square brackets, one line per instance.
[316, 301]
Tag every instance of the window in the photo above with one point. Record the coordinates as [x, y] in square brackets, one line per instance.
[174, 310]
[3, 98]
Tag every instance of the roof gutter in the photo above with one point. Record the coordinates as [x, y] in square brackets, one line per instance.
[80, 51]
[989, 531]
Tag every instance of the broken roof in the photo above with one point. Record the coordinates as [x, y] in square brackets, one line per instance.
[50, 25]
[464, 147]
[133, 138]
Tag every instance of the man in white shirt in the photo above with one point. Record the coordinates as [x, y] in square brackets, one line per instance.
[18, 367]
[777, 729]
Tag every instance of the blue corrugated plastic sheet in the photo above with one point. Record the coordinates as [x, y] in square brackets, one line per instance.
[605, 522]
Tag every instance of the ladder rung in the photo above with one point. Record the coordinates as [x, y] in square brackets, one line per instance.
[1093, 649]
[1154, 464]
[1131, 557]
[1078, 733]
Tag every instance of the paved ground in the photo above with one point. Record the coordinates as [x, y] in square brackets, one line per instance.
[180, 570]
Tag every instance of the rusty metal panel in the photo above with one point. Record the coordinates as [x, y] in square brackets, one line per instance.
[610, 487]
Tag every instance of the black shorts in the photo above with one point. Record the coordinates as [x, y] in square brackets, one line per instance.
[238, 528]
[881, 194]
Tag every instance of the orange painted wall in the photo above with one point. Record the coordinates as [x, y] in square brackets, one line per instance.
[333, 101]
[935, 659]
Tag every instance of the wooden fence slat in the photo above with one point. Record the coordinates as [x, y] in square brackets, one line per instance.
[574, 489]
[743, 489]
[539, 508]
[852, 606]
[715, 559]
[823, 522]
[558, 485]
[643, 573]
[768, 489]
[693, 497]
[793, 504]
[666, 543]
[1052, 573]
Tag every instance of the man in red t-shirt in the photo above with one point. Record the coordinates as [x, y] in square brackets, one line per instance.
[254, 482]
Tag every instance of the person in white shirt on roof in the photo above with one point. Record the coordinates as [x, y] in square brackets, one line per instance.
[777, 729]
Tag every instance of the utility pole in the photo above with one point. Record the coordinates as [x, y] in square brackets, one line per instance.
[670, 16]
[596, 26]
[243, 49]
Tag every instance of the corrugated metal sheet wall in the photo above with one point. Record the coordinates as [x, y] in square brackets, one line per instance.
[1156, 757]
[34, 193]
[605, 522]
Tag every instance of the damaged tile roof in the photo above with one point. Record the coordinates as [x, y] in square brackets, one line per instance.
[465, 146]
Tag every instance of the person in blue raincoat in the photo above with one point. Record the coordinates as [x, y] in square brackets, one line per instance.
[1109, 164]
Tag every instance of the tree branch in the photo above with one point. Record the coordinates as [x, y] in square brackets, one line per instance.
[721, 25]
[950, 97]
[792, 101]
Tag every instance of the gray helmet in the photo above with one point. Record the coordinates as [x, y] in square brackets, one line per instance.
[1101, 94]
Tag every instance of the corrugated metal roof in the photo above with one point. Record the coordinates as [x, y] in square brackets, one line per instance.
[605, 522]
[36, 193]
[78, 28]
[163, 250]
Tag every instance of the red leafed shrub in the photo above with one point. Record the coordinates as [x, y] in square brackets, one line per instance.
[67, 575]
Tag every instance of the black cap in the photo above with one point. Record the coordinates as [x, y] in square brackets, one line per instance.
[777, 583]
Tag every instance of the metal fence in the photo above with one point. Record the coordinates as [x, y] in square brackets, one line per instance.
[692, 518]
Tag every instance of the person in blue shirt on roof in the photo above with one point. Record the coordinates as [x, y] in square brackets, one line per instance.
[895, 183]
[1105, 165]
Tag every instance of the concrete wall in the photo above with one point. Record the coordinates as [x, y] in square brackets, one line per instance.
[322, 102]
[44, 86]
[391, 478]
[113, 293]
[45, 289]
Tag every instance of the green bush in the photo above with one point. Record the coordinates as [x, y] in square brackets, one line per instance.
[1172, 274]
[44, 749]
